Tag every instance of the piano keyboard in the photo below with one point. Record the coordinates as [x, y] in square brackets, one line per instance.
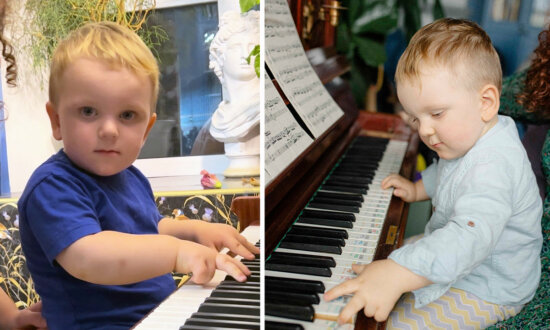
[340, 226]
[223, 303]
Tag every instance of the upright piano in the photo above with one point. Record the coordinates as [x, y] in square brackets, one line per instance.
[326, 210]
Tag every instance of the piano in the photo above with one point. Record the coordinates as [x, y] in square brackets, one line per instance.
[223, 303]
[326, 210]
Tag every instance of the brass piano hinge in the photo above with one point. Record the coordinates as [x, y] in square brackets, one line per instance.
[392, 235]
[311, 15]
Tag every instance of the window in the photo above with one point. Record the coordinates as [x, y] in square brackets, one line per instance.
[189, 93]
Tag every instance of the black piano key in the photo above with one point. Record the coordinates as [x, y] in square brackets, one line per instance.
[272, 325]
[301, 259]
[235, 294]
[229, 309]
[237, 287]
[203, 327]
[250, 279]
[292, 298]
[311, 247]
[321, 232]
[351, 179]
[304, 313]
[231, 301]
[326, 222]
[335, 207]
[222, 324]
[308, 239]
[358, 160]
[294, 285]
[328, 215]
[351, 172]
[335, 182]
[328, 200]
[216, 316]
[298, 269]
[361, 191]
[340, 195]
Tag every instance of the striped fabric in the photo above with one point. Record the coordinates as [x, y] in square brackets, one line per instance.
[457, 309]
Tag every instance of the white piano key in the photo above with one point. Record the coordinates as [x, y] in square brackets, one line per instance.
[178, 307]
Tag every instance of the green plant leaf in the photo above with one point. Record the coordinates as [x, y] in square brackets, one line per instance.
[372, 52]
[342, 39]
[246, 5]
[257, 66]
[378, 17]
[355, 9]
[256, 54]
[438, 11]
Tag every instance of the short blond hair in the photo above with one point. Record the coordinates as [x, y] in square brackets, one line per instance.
[109, 42]
[454, 44]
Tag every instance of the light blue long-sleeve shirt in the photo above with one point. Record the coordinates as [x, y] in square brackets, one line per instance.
[484, 235]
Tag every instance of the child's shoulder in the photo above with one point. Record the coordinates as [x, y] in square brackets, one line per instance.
[57, 168]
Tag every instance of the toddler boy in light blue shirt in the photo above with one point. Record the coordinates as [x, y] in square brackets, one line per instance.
[484, 237]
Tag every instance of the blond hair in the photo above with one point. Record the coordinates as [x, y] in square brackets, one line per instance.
[109, 42]
[459, 45]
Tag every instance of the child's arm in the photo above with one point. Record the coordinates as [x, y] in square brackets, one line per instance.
[376, 289]
[12, 318]
[214, 235]
[405, 189]
[114, 258]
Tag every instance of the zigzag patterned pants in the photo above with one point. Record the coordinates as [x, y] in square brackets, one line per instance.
[456, 309]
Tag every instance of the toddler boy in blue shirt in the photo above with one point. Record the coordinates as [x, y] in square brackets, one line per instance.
[482, 243]
[99, 252]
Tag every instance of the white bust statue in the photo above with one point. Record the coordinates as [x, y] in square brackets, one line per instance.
[236, 120]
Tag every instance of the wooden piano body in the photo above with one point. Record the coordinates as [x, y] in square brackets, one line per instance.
[290, 191]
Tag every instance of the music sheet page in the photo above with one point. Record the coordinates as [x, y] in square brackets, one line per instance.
[285, 139]
[288, 62]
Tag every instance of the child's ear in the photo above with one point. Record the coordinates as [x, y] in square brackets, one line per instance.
[152, 121]
[54, 120]
[490, 102]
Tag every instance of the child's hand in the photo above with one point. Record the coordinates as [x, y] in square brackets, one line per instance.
[219, 235]
[30, 318]
[374, 289]
[403, 188]
[203, 261]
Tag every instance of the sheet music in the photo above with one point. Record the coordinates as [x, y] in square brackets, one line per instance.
[288, 62]
[285, 139]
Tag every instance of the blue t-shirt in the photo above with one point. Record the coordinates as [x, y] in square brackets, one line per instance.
[61, 204]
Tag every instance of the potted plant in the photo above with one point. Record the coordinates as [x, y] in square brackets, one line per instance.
[362, 36]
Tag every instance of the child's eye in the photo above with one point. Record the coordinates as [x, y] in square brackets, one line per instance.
[127, 115]
[437, 114]
[88, 111]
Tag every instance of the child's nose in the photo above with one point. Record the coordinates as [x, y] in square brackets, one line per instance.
[108, 129]
[425, 129]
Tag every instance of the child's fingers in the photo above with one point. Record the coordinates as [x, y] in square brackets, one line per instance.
[354, 305]
[390, 181]
[242, 247]
[37, 307]
[232, 267]
[358, 268]
[382, 313]
[203, 271]
[347, 287]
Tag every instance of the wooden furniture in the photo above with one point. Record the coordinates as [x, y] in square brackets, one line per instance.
[247, 209]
